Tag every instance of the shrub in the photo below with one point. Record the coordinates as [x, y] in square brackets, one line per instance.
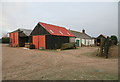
[41, 48]
[32, 46]
[5, 39]
[68, 45]
[114, 40]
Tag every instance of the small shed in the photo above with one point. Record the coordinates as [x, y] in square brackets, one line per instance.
[48, 36]
[100, 38]
[82, 38]
[19, 37]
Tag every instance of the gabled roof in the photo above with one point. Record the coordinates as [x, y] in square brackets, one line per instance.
[80, 35]
[25, 31]
[56, 30]
[101, 35]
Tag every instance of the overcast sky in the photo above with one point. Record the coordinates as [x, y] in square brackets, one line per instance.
[95, 17]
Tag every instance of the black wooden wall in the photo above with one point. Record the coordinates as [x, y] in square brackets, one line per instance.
[39, 30]
[55, 42]
[30, 39]
[22, 39]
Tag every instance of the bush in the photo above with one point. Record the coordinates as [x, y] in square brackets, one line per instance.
[32, 46]
[5, 40]
[114, 40]
[68, 45]
[41, 48]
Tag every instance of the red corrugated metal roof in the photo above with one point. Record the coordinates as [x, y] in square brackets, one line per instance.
[56, 30]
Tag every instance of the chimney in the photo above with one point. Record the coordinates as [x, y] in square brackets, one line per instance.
[83, 31]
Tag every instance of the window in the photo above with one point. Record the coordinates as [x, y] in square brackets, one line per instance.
[60, 32]
[68, 33]
[51, 31]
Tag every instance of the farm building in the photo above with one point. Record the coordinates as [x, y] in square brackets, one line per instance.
[100, 38]
[82, 38]
[49, 36]
[19, 37]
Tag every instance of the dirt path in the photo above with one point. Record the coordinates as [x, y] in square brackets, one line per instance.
[74, 64]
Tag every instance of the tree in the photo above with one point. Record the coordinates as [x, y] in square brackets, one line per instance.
[114, 39]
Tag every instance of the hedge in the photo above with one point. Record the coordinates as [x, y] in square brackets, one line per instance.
[5, 40]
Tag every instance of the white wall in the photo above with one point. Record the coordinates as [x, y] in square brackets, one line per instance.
[93, 42]
[83, 41]
[88, 42]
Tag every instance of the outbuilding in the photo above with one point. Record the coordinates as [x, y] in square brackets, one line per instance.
[48, 36]
[101, 38]
[82, 38]
[19, 37]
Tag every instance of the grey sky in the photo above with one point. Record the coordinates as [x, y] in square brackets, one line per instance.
[95, 17]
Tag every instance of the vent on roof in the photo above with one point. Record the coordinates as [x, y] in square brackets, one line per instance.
[51, 31]
[68, 33]
[60, 32]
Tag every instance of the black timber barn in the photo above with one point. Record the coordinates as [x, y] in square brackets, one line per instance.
[19, 37]
[49, 36]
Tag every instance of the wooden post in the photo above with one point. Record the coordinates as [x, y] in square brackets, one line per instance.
[101, 47]
[107, 46]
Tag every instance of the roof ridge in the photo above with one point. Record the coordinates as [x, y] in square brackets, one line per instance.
[53, 25]
[24, 29]
[76, 31]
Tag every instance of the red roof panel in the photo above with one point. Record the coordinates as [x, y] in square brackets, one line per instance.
[56, 30]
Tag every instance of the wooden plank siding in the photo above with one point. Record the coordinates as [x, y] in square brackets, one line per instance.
[54, 42]
[39, 30]
[14, 39]
[39, 41]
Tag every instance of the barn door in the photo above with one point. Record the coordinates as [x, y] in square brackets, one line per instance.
[39, 41]
[35, 41]
[42, 42]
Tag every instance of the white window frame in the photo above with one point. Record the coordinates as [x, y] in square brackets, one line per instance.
[51, 31]
[68, 33]
[60, 32]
